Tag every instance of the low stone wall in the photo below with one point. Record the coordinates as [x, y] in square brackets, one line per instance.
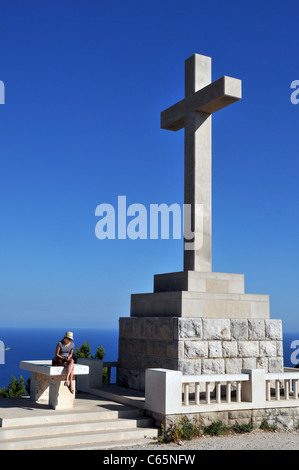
[283, 418]
[197, 346]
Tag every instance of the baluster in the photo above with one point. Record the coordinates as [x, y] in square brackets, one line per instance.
[228, 392]
[268, 390]
[295, 382]
[239, 392]
[218, 392]
[208, 393]
[197, 393]
[277, 389]
[286, 389]
[186, 394]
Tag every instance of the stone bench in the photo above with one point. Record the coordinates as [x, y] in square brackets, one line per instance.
[47, 383]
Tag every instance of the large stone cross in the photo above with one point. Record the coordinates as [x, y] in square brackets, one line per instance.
[202, 98]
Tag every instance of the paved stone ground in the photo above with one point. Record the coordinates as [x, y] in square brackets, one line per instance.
[256, 440]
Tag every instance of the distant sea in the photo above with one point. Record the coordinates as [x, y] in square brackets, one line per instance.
[27, 344]
[40, 343]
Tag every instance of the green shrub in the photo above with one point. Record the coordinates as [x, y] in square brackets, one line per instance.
[187, 429]
[172, 434]
[15, 389]
[183, 430]
[265, 426]
[27, 386]
[242, 428]
[105, 375]
[216, 429]
[85, 352]
[100, 353]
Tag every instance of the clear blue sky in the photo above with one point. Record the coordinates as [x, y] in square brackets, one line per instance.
[85, 84]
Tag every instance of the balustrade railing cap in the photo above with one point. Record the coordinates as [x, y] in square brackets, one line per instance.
[215, 378]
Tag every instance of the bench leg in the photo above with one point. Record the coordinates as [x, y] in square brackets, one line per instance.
[60, 398]
[39, 388]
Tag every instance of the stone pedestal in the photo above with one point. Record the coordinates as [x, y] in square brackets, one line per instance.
[198, 323]
[51, 391]
[60, 398]
[39, 388]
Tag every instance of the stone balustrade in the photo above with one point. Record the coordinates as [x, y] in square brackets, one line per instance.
[212, 383]
[168, 392]
[284, 385]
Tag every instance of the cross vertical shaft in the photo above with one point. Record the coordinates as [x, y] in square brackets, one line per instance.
[202, 98]
[197, 187]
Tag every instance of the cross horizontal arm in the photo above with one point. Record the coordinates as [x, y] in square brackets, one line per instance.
[209, 99]
[217, 95]
[173, 118]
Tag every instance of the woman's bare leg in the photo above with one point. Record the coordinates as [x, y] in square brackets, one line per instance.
[71, 378]
[70, 373]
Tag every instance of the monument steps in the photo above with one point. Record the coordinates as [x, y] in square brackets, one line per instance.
[70, 417]
[105, 445]
[88, 432]
[109, 424]
[49, 442]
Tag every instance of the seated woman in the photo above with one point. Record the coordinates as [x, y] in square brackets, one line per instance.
[63, 357]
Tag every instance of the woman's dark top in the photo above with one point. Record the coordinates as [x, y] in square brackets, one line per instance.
[65, 349]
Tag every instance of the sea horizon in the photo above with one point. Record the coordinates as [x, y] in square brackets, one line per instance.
[39, 343]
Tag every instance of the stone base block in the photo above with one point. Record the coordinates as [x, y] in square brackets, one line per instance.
[51, 391]
[194, 281]
[192, 294]
[39, 388]
[60, 398]
[197, 346]
[199, 304]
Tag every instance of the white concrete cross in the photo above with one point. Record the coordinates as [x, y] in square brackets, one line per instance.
[202, 98]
